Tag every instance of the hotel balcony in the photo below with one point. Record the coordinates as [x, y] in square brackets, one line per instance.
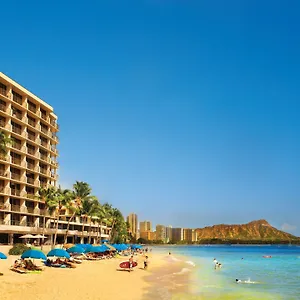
[3, 90]
[17, 115]
[3, 107]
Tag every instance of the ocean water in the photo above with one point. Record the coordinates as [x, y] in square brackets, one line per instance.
[273, 278]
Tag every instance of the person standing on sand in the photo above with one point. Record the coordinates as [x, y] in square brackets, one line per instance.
[146, 263]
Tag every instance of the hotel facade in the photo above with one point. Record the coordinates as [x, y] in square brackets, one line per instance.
[31, 163]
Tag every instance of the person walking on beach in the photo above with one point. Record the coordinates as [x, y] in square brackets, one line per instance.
[146, 263]
[131, 263]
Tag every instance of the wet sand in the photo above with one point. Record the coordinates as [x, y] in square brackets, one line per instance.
[165, 278]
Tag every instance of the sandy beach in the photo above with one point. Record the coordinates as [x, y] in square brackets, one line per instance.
[91, 280]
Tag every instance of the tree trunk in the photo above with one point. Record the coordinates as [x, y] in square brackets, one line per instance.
[90, 231]
[112, 228]
[68, 226]
[100, 231]
[44, 228]
[82, 228]
[56, 229]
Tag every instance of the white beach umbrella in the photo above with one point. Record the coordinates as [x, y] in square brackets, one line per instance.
[40, 236]
[27, 236]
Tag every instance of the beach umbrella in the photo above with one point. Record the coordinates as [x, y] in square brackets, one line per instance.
[98, 249]
[40, 236]
[110, 247]
[76, 249]
[67, 246]
[27, 236]
[34, 254]
[2, 256]
[58, 253]
[105, 247]
[89, 248]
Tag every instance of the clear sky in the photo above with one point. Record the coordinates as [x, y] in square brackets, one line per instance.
[185, 112]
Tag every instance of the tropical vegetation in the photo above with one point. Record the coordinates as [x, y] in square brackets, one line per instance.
[79, 202]
[18, 249]
[5, 140]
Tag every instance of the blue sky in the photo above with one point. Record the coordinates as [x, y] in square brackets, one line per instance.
[184, 112]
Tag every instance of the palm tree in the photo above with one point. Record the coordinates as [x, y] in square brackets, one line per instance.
[4, 142]
[89, 208]
[61, 198]
[81, 192]
[46, 196]
[116, 218]
[102, 215]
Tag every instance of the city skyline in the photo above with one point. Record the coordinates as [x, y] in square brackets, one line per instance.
[187, 112]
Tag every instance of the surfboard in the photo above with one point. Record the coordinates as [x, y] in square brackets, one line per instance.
[125, 264]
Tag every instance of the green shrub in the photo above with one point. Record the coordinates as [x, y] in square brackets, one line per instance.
[18, 249]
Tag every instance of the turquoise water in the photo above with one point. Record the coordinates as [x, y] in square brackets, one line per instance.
[277, 277]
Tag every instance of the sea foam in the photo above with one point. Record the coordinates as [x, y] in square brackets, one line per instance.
[189, 262]
[183, 271]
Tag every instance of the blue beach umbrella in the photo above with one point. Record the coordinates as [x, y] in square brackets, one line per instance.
[76, 249]
[89, 248]
[98, 249]
[105, 247]
[2, 256]
[34, 254]
[58, 253]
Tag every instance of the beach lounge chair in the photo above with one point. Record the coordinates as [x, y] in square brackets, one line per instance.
[18, 270]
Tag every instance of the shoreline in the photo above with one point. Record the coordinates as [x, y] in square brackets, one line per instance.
[99, 280]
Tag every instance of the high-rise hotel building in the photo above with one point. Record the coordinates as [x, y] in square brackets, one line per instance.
[132, 220]
[30, 163]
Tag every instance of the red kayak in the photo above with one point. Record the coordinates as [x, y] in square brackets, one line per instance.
[125, 264]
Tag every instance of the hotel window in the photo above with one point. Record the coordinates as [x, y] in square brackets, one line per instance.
[15, 158]
[31, 135]
[16, 143]
[43, 114]
[30, 178]
[31, 121]
[2, 121]
[44, 128]
[30, 163]
[31, 106]
[44, 141]
[16, 128]
[30, 149]
[3, 89]
[17, 97]
[2, 105]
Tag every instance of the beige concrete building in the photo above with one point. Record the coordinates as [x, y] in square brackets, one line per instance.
[132, 220]
[177, 234]
[148, 235]
[168, 233]
[161, 233]
[31, 163]
[145, 226]
[189, 235]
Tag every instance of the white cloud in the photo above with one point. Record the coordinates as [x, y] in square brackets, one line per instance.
[288, 227]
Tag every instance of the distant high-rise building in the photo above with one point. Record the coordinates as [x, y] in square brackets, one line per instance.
[161, 233]
[177, 234]
[168, 234]
[189, 235]
[145, 226]
[132, 220]
[148, 235]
